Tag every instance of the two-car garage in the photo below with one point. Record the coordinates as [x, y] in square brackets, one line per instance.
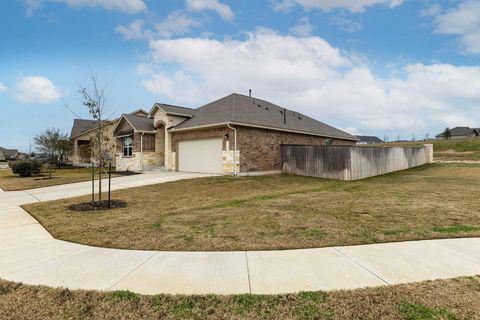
[200, 155]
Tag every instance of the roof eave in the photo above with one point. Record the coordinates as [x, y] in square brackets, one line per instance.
[261, 127]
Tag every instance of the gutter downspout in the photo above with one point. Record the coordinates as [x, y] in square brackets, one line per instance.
[234, 147]
[141, 151]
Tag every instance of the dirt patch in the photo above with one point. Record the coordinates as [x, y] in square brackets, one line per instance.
[98, 205]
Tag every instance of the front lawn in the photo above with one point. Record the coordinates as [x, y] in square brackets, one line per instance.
[442, 299]
[12, 182]
[278, 212]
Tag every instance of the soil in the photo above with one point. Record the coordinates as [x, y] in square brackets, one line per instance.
[97, 205]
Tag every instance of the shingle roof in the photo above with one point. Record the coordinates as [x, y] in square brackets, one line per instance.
[140, 123]
[239, 108]
[460, 131]
[176, 109]
[81, 126]
[370, 139]
[8, 152]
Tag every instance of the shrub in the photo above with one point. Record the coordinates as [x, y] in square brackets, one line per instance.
[26, 168]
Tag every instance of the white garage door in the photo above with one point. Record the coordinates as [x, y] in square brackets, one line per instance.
[200, 156]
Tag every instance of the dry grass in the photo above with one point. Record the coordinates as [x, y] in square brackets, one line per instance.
[11, 182]
[440, 299]
[278, 212]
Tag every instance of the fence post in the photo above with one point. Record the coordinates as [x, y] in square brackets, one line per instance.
[429, 153]
[109, 182]
[93, 182]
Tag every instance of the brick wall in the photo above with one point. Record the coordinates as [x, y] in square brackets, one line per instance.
[148, 142]
[260, 148]
[203, 134]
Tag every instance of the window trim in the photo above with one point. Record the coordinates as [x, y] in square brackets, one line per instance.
[127, 147]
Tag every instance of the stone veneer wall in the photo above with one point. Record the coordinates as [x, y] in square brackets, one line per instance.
[134, 163]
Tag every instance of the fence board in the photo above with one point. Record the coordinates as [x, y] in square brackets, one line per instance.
[351, 163]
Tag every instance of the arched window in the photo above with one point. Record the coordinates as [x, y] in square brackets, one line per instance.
[127, 147]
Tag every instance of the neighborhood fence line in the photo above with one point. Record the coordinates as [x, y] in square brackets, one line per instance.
[349, 162]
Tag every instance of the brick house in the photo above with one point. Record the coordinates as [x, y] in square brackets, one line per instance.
[461, 133]
[81, 133]
[235, 134]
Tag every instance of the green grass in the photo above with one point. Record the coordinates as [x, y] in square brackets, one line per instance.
[414, 311]
[278, 212]
[456, 229]
[449, 150]
[438, 300]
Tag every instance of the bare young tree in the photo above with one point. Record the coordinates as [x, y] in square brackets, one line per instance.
[95, 99]
[52, 142]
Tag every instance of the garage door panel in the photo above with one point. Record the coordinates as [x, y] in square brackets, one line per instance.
[203, 155]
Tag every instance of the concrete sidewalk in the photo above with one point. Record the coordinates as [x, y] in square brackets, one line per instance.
[29, 254]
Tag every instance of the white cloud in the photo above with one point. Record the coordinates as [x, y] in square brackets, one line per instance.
[433, 10]
[463, 21]
[37, 89]
[134, 30]
[176, 23]
[223, 10]
[355, 6]
[125, 6]
[3, 87]
[350, 130]
[309, 75]
[345, 23]
[303, 28]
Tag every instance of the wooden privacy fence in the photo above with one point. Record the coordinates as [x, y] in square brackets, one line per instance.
[351, 163]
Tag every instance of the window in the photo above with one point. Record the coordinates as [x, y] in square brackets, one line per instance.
[127, 147]
[328, 142]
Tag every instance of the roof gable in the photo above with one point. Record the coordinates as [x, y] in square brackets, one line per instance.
[171, 109]
[81, 126]
[371, 139]
[130, 123]
[139, 113]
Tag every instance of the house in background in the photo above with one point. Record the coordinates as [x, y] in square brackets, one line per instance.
[8, 154]
[369, 140]
[235, 134]
[461, 133]
[83, 130]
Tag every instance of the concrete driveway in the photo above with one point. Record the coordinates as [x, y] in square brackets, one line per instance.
[29, 254]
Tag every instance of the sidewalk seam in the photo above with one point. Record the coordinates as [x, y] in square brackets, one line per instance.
[248, 273]
[32, 195]
[361, 266]
[134, 269]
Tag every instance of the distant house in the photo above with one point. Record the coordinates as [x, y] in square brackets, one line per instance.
[369, 140]
[461, 133]
[8, 154]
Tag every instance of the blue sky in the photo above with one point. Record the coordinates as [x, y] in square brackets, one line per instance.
[380, 67]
